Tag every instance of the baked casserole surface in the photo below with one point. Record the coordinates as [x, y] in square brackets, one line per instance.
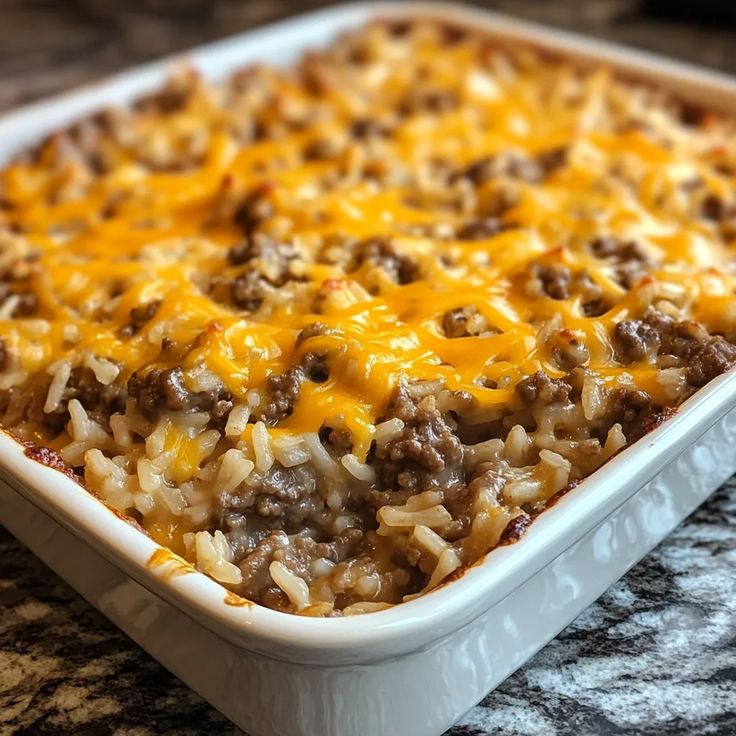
[334, 332]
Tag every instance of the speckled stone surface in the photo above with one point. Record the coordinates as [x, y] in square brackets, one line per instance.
[655, 656]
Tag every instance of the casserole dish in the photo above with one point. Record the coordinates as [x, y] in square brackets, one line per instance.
[395, 633]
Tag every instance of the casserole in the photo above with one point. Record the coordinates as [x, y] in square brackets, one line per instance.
[688, 411]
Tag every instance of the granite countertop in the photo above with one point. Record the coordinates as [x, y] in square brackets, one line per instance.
[655, 655]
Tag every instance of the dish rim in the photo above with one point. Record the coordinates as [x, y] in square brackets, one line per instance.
[415, 624]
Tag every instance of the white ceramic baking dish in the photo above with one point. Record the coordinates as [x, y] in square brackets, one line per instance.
[416, 668]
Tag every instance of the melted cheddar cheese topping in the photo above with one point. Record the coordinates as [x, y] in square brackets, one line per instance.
[464, 164]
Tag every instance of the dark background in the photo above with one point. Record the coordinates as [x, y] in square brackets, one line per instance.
[656, 656]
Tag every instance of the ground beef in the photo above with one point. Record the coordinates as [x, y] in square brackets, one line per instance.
[703, 356]
[630, 260]
[99, 400]
[635, 340]
[591, 295]
[558, 282]
[454, 323]
[691, 114]
[267, 262]
[247, 291]
[138, 317]
[366, 128]
[220, 412]
[539, 386]
[678, 338]
[481, 171]
[254, 209]
[380, 252]
[517, 166]
[54, 421]
[555, 280]
[479, 229]
[3, 355]
[142, 314]
[427, 454]
[710, 360]
[297, 553]
[93, 395]
[169, 99]
[567, 351]
[346, 544]
[274, 256]
[322, 149]
[275, 495]
[630, 273]
[283, 392]
[552, 159]
[80, 142]
[609, 247]
[629, 405]
[26, 305]
[633, 410]
[485, 482]
[713, 208]
[160, 390]
[283, 389]
[241, 252]
[463, 321]
[315, 366]
[423, 100]
[313, 330]
[340, 439]
[254, 567]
